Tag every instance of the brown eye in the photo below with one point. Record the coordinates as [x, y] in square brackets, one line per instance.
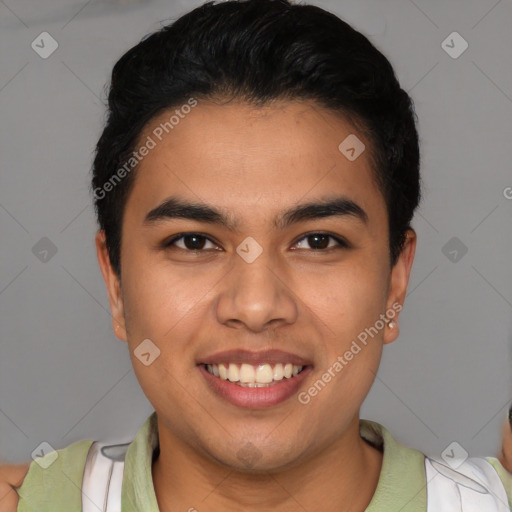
[190, 242]
[321, 241]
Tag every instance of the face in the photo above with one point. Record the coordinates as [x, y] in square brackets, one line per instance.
[252, 247]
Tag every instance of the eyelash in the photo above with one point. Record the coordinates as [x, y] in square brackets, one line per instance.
[170, 243]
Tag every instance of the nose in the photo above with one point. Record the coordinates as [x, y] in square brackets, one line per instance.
[256, 296]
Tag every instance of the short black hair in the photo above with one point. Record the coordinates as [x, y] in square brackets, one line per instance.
[259, 51]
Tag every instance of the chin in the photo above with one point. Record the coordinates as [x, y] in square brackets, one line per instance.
[252, 458]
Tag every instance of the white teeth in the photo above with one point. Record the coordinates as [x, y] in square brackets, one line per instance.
[253, 385]
[247, 375]
[278, 372]
[264, 374]
[233, 373]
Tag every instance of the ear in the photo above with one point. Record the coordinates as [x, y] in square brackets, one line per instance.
[399, 280]
[113, 286]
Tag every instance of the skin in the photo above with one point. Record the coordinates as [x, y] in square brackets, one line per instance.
[505, 456]
[254, 164]
[11, 476]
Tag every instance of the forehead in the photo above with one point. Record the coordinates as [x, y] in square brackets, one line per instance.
[250, 159]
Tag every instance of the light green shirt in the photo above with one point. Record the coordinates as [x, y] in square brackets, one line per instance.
[401, 485]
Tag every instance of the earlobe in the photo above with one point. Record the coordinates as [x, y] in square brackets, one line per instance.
[398, 285]
[391, 331]
[113, 286]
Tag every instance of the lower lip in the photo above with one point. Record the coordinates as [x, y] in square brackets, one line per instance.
[255, 398]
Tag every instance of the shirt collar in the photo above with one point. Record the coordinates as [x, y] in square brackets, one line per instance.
[138, 491]
[401, 484]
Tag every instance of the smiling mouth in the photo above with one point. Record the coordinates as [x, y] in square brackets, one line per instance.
[254, 376]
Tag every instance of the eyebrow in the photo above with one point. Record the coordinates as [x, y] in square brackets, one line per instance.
[176, 208]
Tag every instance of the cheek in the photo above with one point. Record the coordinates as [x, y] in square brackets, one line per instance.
[165, 306]
[159, 299]
[351, 308]
[347, 299]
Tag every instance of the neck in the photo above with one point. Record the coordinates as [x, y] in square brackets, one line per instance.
[343, 476]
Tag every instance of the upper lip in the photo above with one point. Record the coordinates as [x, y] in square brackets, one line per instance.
[255, 358]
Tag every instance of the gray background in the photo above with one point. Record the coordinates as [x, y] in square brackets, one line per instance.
[64, 376]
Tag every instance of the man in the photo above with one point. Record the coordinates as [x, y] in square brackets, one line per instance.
[254, 187]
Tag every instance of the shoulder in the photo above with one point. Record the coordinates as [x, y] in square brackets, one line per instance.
[504, 475]
[471, 484]
[420, 482]
[54, 481]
